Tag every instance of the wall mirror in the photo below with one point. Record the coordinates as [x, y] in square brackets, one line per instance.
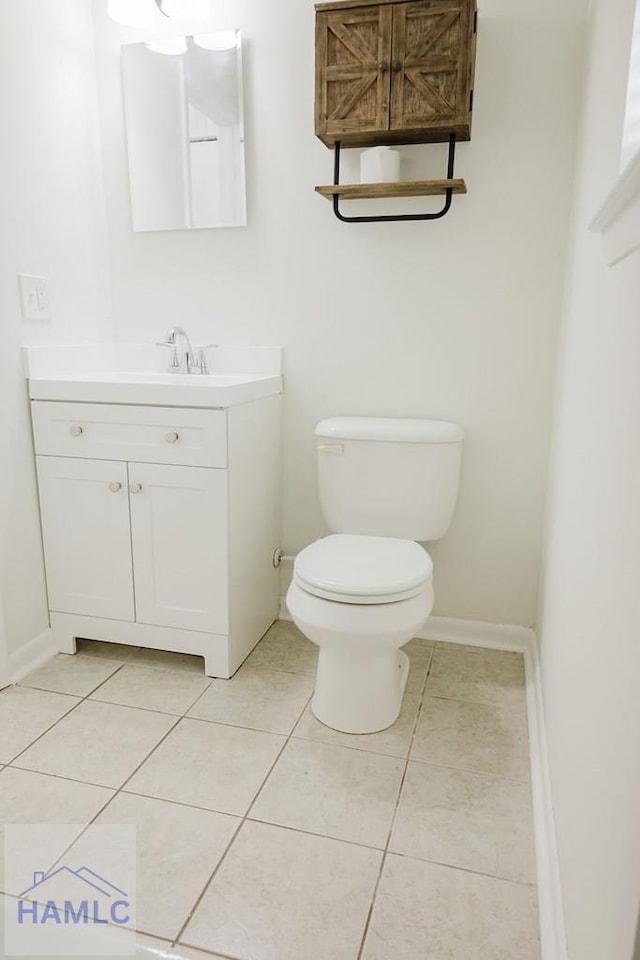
[185, 132]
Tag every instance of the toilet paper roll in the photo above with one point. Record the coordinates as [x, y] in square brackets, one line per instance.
[379, 165]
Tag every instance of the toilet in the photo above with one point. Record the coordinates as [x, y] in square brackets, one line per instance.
[364, 591]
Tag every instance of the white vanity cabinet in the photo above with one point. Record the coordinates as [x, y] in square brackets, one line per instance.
[160, 523]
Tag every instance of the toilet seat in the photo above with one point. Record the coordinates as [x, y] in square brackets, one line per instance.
[349, 568]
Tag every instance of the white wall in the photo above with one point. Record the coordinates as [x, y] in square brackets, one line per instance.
[590, 613]
[51, 224]
[454, 319]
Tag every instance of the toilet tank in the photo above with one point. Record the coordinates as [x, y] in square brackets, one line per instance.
[389, 477]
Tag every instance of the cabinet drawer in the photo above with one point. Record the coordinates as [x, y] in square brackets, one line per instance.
[117, 432]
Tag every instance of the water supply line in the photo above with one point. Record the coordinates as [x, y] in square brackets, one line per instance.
[279, 557]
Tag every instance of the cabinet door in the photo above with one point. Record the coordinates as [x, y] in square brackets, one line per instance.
[180, 546]
[85, 529]
[353, 49]
[432, 67]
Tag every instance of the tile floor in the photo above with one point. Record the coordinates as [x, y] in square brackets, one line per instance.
[263, 835]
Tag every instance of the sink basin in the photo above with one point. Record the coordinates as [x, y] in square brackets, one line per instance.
[164, 389]
[76, 381]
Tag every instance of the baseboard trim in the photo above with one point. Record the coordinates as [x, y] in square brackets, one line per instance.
[501, 636]
[31, 655]
[478, 633]
[553, 939]
[475, 633]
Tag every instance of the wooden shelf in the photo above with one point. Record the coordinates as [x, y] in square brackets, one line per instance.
[403, 188]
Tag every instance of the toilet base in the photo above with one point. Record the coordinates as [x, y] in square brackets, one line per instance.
[359, 694]
[362, 670]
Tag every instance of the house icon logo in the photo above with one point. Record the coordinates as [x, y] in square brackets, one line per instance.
[72, 897]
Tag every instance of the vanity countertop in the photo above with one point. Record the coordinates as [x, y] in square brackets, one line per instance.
[130, 374]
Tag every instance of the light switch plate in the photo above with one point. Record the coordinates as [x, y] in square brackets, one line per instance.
[35, 297]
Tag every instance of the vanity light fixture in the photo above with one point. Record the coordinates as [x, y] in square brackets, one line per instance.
[184, 9]
[132, 13]
[218, 42]
[143, 13]
[174, 46]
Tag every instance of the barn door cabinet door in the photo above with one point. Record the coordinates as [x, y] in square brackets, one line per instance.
[396, 72]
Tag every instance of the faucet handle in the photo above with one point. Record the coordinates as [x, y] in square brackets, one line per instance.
[202, 363]
[174, 363]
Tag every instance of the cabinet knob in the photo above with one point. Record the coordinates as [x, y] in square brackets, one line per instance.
[383, 66]
[115, 487]
[76, 431]
[396, 66]
[135, 487]
[172, 436]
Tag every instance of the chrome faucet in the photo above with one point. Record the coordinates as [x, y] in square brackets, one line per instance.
[180, 359]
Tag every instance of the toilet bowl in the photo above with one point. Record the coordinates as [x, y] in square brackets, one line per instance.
[386, 486]
[360, 599]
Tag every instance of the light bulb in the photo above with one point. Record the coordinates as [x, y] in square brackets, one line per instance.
[132, 13]
[185, 9]
[223, 40]
[173, 46]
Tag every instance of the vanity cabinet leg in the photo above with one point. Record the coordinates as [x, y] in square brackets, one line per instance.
[65, 642]
[210, 668]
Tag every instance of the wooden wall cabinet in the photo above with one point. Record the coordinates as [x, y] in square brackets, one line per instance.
[394, 72]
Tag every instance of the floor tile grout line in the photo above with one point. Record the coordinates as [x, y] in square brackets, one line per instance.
[479, 703]
[185, 713]
[201, 695]
[117, 792]
[385, 852]
[512, 708]
[59, 776]
[462, 647]
[353, 746]
[315, 833]
[244, 819]
[185, 923]
[532, 884]
[93, 699]
[117, 666]
[295, 673]
[14, 766]
[152, 709]
[239, 726]
[476, 873]
[180, 803]
[478, 773]
[150, 936]
[130, 706]
[348, 746]
[80, 700]
[225, 813]
[170, 944]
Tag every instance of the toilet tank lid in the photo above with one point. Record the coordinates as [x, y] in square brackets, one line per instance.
[390, 429]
